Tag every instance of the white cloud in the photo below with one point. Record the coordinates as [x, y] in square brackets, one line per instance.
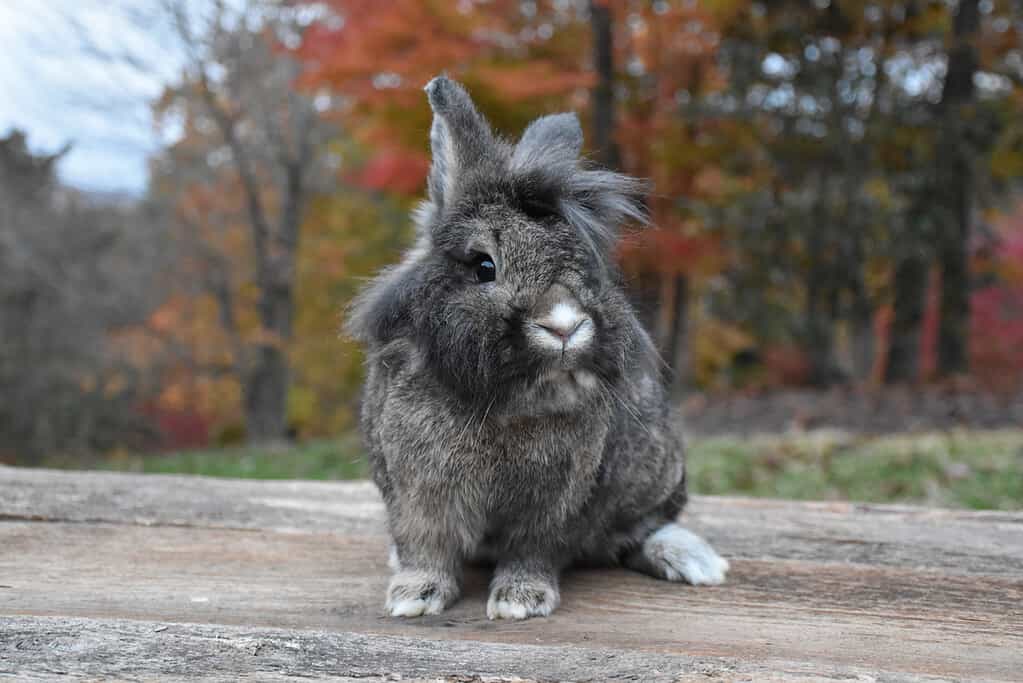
[85, 71]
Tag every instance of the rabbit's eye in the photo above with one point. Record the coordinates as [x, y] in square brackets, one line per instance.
[484, 268]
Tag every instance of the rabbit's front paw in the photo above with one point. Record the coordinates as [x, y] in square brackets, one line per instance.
[677, 554]
[415, 593]
[520, 596]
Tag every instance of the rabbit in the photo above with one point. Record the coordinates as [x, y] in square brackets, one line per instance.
[513, 410]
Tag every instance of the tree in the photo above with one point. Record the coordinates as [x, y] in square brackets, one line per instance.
[241, 112]
[868, 177]
[602, 23]
[955, 125]
[665, 57]
[802, 96]
[75, 273]
[956, 183]
[378, 56]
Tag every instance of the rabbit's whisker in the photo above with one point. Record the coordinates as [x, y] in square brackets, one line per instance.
[485, 414]
[627, 408]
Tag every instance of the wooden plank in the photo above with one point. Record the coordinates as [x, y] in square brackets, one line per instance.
[890, 535]
[770, 610]
[189, 501]
[62, 648]
[833, 590]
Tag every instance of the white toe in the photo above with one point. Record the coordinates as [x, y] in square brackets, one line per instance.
[414, 607]
[513, 609]
[503, 609]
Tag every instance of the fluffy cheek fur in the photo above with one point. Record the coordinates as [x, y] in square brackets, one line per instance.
[475, 340]
[479, 350]
[614, 339]
[469, 345]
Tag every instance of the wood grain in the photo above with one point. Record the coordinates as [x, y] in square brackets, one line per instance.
[92, 564]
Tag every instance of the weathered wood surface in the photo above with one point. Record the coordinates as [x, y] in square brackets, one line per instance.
[157, 578]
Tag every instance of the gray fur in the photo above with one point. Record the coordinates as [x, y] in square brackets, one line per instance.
[486, 445]
[554, 139]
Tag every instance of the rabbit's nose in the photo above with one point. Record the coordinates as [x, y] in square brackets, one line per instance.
[564, 327]
[563, 333]
[563, 321]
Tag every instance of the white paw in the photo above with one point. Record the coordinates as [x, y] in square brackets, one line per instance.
[522, 601]
[415, 593]
[681, 555]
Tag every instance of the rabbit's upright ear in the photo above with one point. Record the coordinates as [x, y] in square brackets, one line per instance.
[555, 139]
[593, 200]
[460, 137]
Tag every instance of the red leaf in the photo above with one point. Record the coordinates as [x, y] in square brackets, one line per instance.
[394, 171]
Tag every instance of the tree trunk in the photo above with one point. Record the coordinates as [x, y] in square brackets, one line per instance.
[676, 348]
[268, 377]
[953, 326]
[820, 338]
[860, 314]
[904, 335]
[603, 92]
[266, 391]
[821, 297]
[861, 323]
[953, 166]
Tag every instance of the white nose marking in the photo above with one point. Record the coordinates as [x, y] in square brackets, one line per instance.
[563, 319]
[564, 327]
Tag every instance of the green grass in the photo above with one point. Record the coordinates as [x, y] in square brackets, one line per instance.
[340, 459]
[971, 469]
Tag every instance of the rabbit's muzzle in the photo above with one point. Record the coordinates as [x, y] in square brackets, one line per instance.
[558, 326]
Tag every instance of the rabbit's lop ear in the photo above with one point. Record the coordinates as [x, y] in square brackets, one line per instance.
[554, 139]
[459, 138]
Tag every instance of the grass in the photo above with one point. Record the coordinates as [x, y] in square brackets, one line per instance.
[340, 459]
[970, 469]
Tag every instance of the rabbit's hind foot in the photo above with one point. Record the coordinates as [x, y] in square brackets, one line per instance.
[674, 553]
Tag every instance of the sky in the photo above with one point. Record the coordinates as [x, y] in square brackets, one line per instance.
[64, 79]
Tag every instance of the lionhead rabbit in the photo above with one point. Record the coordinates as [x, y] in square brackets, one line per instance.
[513, 409]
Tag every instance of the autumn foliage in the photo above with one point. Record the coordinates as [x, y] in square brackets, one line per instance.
[761, 193]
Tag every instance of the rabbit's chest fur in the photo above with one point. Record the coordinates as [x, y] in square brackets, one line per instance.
[486, 482]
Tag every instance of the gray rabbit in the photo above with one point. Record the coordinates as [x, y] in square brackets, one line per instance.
[514, 411]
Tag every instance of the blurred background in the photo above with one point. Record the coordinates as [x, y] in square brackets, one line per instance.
[191, 191]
